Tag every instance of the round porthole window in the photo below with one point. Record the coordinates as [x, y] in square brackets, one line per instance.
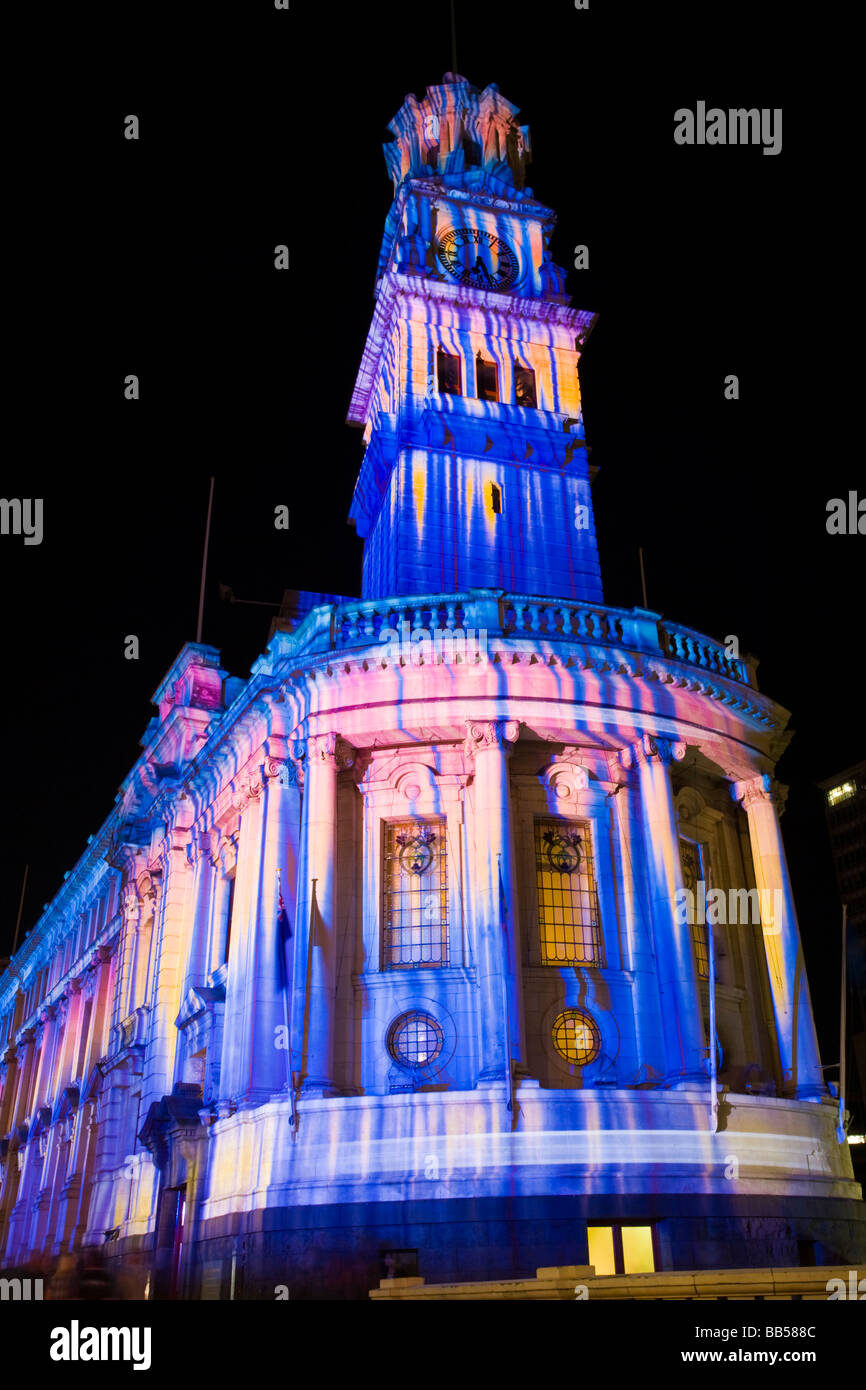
[576, 1037]
[415, 1040]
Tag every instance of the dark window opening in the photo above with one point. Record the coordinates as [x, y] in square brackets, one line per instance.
[229, 908]
[495, 499]
[448, 373]
[486, 380]
[524, 386]
[471, 154]
[399, 1264]
[179, 1214]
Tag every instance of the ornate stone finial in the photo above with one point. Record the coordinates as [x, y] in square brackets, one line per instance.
[489, 733]
[456, 129]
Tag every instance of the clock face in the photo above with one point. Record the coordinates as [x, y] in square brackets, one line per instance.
[475, 257]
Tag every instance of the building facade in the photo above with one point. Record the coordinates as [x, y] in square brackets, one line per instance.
[399, 956]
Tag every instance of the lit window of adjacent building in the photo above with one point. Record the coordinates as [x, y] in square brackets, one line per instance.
[415, 897]
[576, 1037]
[568, 915]
[693, 864]
[486, 380]
[524, 386]
[448, 373]
[621, 1249]
[841, 793]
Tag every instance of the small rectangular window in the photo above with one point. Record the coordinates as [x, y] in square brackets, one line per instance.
[601, 1255]
[621, 1249]
[448, 373]
[486, 380]
[637, 1250]
[524, 386]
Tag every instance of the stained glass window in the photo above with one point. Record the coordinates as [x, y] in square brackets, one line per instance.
[415, 895]
[568, 915]
[576, 1037]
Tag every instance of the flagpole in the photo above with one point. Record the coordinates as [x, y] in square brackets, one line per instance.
[840, 1126]
[204, 564]
[20, 909]
[502, 922]
[285, 978]
[714, 1098]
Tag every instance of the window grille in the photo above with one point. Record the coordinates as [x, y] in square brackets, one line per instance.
[568, 914]
[415, 895]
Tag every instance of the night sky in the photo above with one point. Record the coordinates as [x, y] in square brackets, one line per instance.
[261, 127]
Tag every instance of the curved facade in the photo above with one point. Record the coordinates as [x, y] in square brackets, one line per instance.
[401, 953]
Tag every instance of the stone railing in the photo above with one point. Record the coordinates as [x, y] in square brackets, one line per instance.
[340, 627]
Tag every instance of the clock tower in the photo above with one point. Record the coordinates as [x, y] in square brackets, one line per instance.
[475, 471]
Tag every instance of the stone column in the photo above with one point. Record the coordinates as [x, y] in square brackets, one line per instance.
[795, 1027]
[160, 971]
[131, 945]
[314, 970]
[495, 916]
[685, 1048]
[203, 894]
[632, 874]
[25, 1047]
[253, 1064]
[8, 1084]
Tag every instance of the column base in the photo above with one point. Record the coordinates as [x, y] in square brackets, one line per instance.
[814, 1092]
[686, 1081]
[252, 1099]
[317, 1087]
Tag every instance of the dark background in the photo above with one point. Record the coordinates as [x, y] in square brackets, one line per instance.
[261, 127]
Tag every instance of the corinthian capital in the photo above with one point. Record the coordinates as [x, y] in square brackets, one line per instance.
[330, 749]
[649, 747]
[753, 790]
[489, 733]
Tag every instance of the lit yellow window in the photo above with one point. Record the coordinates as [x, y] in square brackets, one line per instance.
[601, 1255]
[568, 916]
[621, 1249]
[637, 1250]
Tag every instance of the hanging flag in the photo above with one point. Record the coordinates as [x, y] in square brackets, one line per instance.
[284, 936]
[284, 930]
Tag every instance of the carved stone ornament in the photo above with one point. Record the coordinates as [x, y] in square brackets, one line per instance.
[482, 734]
[650, 746]
[763, 787]
[331, 749]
